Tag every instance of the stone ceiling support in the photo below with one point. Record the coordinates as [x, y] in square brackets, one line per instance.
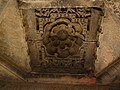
[62, 37]
[11, 70]
[110, 73]
[28, 4]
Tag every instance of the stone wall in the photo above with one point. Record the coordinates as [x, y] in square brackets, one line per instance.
[109, 49]
[12, 36]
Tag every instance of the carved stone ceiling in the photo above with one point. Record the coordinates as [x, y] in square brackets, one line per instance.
[57, 36]
[62, 37]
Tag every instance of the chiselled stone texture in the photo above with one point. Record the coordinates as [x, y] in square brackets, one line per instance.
[62, 39]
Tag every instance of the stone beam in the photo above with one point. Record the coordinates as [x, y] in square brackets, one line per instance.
[11, 69]
[29, 4]
[110, 73]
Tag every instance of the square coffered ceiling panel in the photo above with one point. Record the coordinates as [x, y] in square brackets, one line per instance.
[62, 40]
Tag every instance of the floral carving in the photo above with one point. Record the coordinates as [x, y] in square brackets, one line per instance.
[63, 38]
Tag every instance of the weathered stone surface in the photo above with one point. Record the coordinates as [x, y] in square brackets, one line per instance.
[111, 73]
[62, 37]
[12, 36]
[55, 86]
[109, 49]
[7, 75]
[114, 7]
[27, 4]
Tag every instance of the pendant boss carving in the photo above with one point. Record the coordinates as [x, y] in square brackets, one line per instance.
[64, 39]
